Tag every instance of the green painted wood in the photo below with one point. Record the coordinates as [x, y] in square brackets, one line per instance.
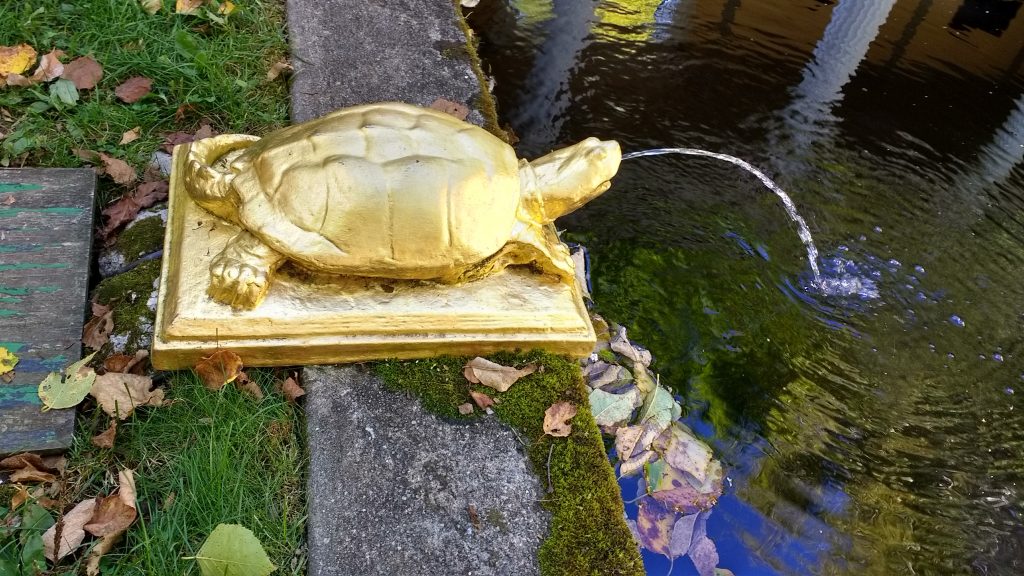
[46, 228]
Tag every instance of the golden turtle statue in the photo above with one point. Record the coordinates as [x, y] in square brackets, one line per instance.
[390, 191]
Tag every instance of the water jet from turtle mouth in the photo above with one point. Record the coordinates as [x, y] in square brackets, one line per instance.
[802, 229]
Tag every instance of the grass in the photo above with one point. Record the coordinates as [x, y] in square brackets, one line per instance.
[201, 70]
[588, 533]
[206, 458]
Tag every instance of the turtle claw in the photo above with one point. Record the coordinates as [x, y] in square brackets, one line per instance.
[237, 283]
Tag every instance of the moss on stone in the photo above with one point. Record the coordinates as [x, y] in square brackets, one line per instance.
[484, 101]
[128, 294]
[588, 530]
[143, 237]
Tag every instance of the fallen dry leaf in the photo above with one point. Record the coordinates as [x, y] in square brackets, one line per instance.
[19, 498]
[205, 131]
[175, 138]
[84, 72]
[16, 59]
[49, 67]
[279, 67]
[248, 386]
[127, 207]
[31, 474]
[291, 389]
[56, 463]
[14, 79]
[465, 409]
[120, 394]
[474, 518]
[123, 362]
[226, 7]
[220, 368]
[455, 109]
[188, 6]
[132, 89]
[115, 513]
[118, 170]
[151, 6]
[105, 439]
[501, 378]
[22, 460]
[557, 417]
[72, 531]
[482, 400]
[131, 135]
[7, 200]
[97, 330]
[92, 564]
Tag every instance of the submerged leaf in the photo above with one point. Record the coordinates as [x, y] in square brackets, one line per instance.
[684, 451]
[557, 417]
[702, 550]
[67, 390]
[611, 409]
[654, 524]
[233, 550]
[501, 378]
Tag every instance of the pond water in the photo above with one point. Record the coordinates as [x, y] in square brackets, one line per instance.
[876, 432]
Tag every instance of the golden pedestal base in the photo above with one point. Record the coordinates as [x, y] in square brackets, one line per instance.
[315, 319]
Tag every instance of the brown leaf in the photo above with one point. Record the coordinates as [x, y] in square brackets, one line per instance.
[175, 138]
[132, 89]
[279, 67]
[21, 461]
[482, 400]
[465, 409]
[72, 531]
[19, 498]
[247, 386]
[205, 131]
[97, 330]
[7, 200]
[16, 59]
[105, 439]
[455, 109]
[501, 378]
[120, 394]
[123, 362]
[49, 67]
[84, 72]
[55, 463]
[92, 564]
[220, 368]
[31, 474]
[557, 417]
[291, 389]
[149, 193]
[87, 155]
[14, 79]
[130, 136]
[188, 6]
[118, 170]
[474, 518]
[115, 513]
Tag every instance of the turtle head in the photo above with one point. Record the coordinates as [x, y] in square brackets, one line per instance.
[564, 180]
[208, 172]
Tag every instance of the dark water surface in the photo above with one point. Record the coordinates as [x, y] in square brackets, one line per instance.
[878, 433]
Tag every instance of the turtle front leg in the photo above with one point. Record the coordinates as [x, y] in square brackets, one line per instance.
[240, 274]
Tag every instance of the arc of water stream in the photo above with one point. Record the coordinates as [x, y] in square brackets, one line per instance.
[787, 202]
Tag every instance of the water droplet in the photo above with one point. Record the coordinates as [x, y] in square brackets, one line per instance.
[878, 229]
[1009, 390]
[956, 321]
[997, 357]
[919, 269]
[950, 355]
[981, 356]
[894, 262]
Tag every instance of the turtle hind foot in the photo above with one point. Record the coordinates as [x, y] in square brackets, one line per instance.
[240, 275]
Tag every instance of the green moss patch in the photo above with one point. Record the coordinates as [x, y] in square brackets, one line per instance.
[143, 237]
[128, 294]
[588, 530]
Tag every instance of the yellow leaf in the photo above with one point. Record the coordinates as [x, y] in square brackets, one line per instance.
[226, 7]
[16, 59]
[187, 6]
[7, 360]
[151, 6]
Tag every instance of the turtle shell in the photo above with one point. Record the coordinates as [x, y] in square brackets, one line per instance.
[387, 189]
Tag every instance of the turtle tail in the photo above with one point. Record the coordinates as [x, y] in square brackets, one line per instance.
[207, 184]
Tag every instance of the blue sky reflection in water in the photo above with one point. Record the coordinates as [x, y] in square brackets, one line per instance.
[877, 433]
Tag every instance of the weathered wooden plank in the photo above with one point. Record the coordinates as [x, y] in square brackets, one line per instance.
[46, 226]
